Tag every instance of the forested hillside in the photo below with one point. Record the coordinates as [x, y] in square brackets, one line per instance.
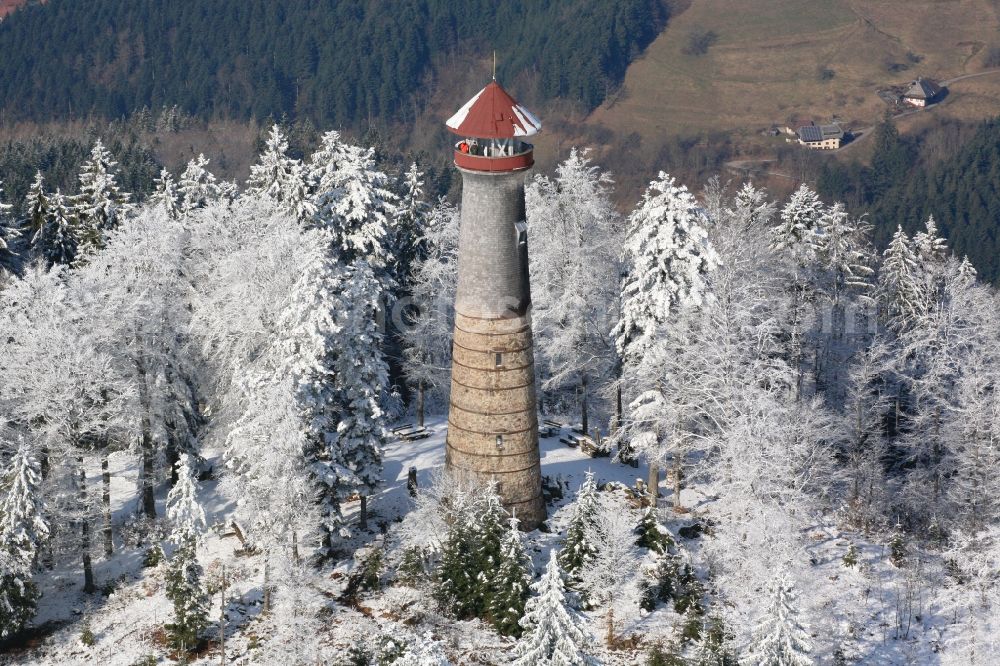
[336, 62]
[910, 179]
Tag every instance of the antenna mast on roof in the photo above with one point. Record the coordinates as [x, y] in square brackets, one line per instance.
[494, 65]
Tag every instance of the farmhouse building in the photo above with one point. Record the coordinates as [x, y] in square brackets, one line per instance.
[821, 137]
[921, 93]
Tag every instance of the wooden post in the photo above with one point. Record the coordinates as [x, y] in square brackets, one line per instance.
[584, 425]
[109, 546]
[420, 403]
[364, 512]
[653, 485]
[88, 569]
[222, 619]
[267, 586]
[411, 482]
[678, 466]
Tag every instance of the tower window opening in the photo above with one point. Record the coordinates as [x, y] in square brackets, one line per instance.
[498, 359]
[522, 232]
[499, 442]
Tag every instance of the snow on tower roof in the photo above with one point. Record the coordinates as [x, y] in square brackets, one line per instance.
[493, 114]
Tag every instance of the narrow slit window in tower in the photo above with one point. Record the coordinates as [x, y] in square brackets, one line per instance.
[522, 233]
[499, 442]
[498, 360]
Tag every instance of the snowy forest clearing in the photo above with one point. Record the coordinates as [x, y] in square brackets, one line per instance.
[127, 616]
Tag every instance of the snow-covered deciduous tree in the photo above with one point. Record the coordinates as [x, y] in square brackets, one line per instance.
[423, 651]
[430, 321]
[553, 632]
[165, 194]
[296, 618]
[197, 186]
[667, 258]
[780, 639]
[612, 577]
[136, 288]
[100, 205]
[576, 240]
[185, 514]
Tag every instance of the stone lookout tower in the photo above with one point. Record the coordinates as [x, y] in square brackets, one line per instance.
[492, 419]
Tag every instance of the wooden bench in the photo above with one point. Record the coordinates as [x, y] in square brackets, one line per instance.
[552, 424]
[413, 434]
[571, 441]
[405, 426]
[590, 447]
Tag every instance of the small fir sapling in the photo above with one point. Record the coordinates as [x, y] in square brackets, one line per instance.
[510, 583]
[577, 550]
[851, 557]
[184, 588]
[779, 638]
[554, 634]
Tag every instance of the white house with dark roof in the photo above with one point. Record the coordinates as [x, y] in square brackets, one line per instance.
[921, 93]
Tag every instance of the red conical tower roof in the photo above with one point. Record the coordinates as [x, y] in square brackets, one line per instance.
[493, 114]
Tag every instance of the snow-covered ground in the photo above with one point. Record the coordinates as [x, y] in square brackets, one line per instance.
[127, 615]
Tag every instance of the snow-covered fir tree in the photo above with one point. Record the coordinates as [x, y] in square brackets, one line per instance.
[356, 204]
[553, 631]
[901, 284]
[36, 211]
[798, 233]
[197, 187]
[780, 639]
[23, 530]
[184, 586]
[100, 204]
[509, 582]
[165, 194]
[667, 258]
[360, 386]
[187, 595]
[186, 516]
[49, 222]
[410, 224]
[281, 178]
[577, 550]
[490, 527]
[8, 235]
[58, 240]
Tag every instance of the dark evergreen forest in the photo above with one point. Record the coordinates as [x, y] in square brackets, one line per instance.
[911, 177]
[337, 62]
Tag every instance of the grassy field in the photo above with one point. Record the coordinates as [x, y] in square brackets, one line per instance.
[765, 65]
